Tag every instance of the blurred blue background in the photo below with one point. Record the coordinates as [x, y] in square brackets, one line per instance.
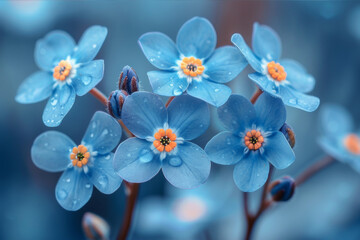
[324, 36]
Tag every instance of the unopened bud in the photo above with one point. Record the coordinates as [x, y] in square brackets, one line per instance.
[116, 102]
[95, 227]
[129, 80]
[282, 189]
[289, 134]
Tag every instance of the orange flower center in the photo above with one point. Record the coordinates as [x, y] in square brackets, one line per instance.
[192, 66]
[79, 156]
[276, 71]
[352, 143]
[62, 70]
[165, 140]
[253, 139]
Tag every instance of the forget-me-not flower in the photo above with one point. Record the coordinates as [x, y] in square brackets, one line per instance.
[161, 141]
[253, 140]
[90, 163]
[192, 64]
[338, 138]
[67, 70]
[283, 78]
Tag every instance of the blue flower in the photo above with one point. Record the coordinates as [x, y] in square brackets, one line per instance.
[284, 78]
[66, 70]
[85, 165]
[161, 141]
[192, 65]
[186, 214]
[252, 141]
[338, 138]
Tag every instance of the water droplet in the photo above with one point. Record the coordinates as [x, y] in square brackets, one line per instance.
[216, 90]
[108, 157]
[128, 155]
[68, 180]
[92, 135]
[62, 194]
[145, 156]
[53, 101]
[103, 180]
[201, 125]
[94, 45]
[152, 59]
[86, 80]
[293, 101]
[230, 73]
[177, 92]
[175, 162]
[105, 132]
[87, 185]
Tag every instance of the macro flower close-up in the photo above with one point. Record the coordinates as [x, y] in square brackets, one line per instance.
[67, 70]
[161, 141]
[284, 78]
[252, 141]
[84, 165]
[192, 65]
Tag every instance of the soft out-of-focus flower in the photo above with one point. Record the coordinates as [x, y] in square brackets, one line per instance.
[67, 70]
[253, 139]
[192, 64]
[116, 102]
[85, 165]
[284, 78]
[129, 80]
[185, 214]
[282, 189]
[95, 227]
[161, 141]
[338, 138]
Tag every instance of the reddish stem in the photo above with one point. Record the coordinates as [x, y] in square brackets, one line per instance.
[132, 188]
[169, 101]
[256, 95]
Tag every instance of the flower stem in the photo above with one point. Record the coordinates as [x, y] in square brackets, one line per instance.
[256, 95]
[132, 193]
[169, 101]
[132, 189]
[315, 168]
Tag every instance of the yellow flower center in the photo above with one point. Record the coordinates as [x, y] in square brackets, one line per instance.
[352, 143]
[192, 66]
[276, 71]
[165, 140]
[253, 140]
[79, 156]
[62, 70]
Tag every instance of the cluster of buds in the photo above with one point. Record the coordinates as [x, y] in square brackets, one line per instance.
[128, 84]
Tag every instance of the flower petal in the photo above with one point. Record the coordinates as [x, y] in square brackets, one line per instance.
[88, 75]
[102, 174]
[335, 148]
[90, 44]
[251, 172]
[253, 60]
[264, 83]
[51, 151]
[73, 189]
[159, 49]
[271, 112]
[237, 114]
[297, 76]
[189, 168]
[214, 93]
[296, 99]
[60, 103]
[225, 64]
[188, 117]
[225, 148]
[266, 43]
[103, 133]
[54, 47]
[35, 88]
[278, 151]
[144, 113]
[335, 120]
[167, 83]
[134, 161]
[197, 38]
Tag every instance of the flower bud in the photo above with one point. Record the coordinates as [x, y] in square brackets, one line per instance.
[129, 80]
[282, 189]
[289, 134]
[116, 102]
[95, 227]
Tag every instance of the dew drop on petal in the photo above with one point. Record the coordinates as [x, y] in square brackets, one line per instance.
[103, 180]
[62, 194]
[175, 161]
[145, 156]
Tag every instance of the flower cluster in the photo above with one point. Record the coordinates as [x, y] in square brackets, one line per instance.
[193, 74]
